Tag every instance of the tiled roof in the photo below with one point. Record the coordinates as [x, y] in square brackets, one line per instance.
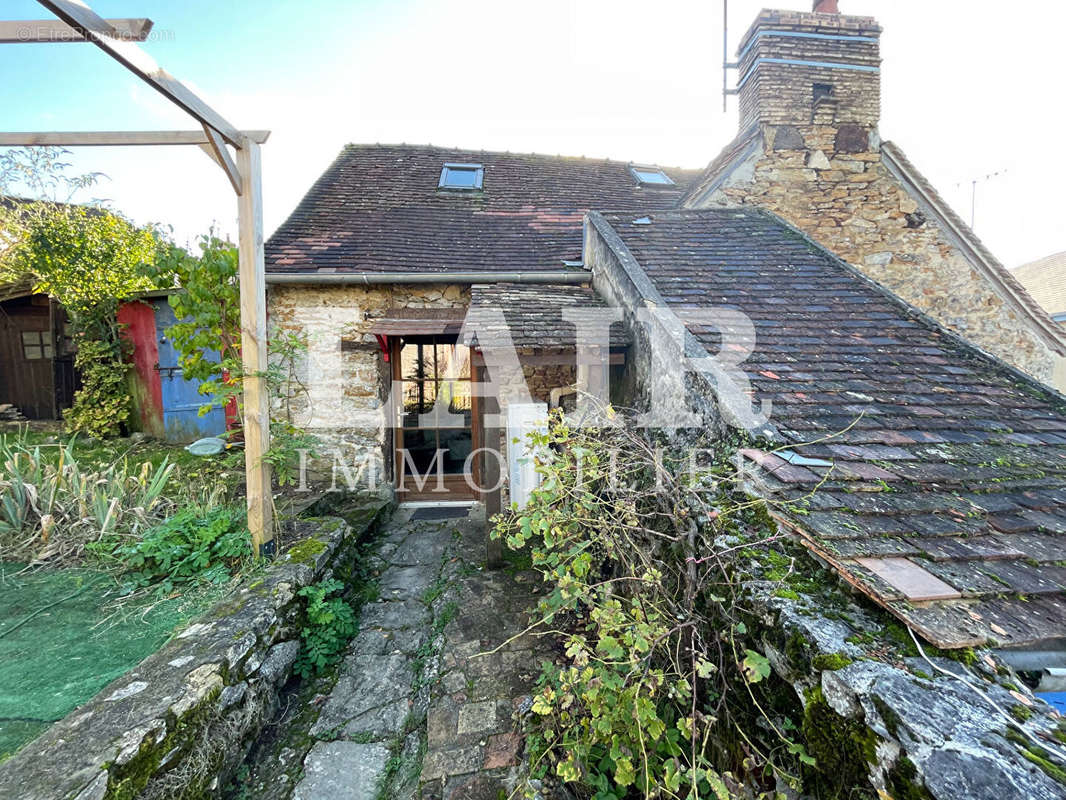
[747, 143]
[533, 313]
[377, 209]
[1045, 280]
[946, 498]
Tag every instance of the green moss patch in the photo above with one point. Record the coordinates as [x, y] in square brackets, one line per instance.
[304, 552]
[843, 748]
[1037, 755]
[830, 661]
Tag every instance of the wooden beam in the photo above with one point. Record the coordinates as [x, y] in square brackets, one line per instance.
[79, 16]
[216, 148]
[254, 349]
[20, 31]
[114, 138]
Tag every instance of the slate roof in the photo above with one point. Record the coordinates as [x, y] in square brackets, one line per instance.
[377, 209]
[533, 313]
[750, 141]
[945, 500]
[1045, 280]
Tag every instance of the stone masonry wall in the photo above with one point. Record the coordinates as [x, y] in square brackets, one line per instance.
[346, 376]
[831, 183]
[177, 725]
[879, 714]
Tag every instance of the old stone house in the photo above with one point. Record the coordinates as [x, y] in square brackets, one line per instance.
[381, 261]
[393, 243]
[906, 372]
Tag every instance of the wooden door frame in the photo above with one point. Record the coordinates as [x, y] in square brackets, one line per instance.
[397, 429]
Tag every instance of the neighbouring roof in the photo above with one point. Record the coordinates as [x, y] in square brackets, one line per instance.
[1045, 280]
[534, 313]
[10, 291]
[377, 208]
[945, 500]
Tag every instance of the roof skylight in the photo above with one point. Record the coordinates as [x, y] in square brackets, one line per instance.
[462, 177]
[650, 176]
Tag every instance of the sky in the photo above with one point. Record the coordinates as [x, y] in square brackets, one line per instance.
[970, 91]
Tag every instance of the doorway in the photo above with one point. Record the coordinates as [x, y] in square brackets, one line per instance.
[435, 435]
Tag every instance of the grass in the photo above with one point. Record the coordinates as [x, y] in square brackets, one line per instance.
[66, 631]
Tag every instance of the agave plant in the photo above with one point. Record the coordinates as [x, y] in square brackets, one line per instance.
[52, 508]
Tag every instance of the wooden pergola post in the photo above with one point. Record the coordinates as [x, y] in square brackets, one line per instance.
[254, 349]
[78, 23]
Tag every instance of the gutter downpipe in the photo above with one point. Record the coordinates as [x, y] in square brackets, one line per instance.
[376, 278]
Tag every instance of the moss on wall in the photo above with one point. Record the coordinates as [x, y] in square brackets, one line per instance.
[844, 748]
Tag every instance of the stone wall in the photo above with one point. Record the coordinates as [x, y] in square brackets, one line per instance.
[831, 183]
[177, 725]
[876, 714]
[644, 386]
[346, 375]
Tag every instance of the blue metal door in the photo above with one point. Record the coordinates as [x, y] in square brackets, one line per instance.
[181, 398]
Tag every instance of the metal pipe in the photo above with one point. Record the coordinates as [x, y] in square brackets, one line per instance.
[725, 53]
[377, 278]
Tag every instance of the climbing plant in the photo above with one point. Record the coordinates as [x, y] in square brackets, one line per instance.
[206, 303]
[89, 260]
[657, 690]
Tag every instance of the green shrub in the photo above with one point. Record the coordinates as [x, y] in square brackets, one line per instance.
[102, 405]
[52, 507]
[189, 548]
[330, 623]
[654, 695]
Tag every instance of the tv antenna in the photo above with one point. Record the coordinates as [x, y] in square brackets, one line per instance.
[973, 192]
[726, 63]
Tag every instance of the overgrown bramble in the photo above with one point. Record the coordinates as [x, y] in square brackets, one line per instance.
[640, 549]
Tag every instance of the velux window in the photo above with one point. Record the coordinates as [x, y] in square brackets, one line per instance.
[651, 176]
[462, 177]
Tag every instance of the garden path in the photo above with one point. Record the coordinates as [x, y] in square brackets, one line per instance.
[421, 708]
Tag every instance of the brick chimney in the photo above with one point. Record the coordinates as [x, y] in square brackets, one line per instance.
[817, 68]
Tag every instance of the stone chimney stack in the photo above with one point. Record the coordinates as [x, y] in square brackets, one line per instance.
[804, 69]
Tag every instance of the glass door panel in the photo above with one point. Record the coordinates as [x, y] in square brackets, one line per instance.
[437, 415]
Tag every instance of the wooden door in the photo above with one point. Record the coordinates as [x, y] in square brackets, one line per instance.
[435, 433]
[26, 355]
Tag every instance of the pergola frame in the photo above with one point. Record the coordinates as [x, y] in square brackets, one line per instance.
[76, 22]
